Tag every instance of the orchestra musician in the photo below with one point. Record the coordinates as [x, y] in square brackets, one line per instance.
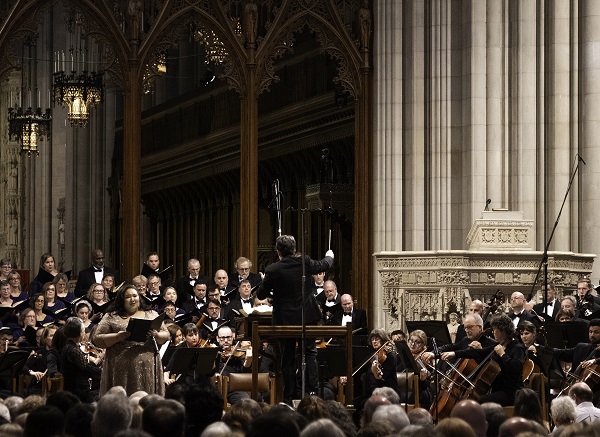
[475, 338]
[417, 343]
[508, 353]
[234, 359]
[191, 339]
[583, 355]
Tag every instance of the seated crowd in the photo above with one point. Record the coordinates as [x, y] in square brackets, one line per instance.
[81, 335]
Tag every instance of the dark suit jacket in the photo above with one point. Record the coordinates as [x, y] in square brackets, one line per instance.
[527, 316]
[185, 291]
[86, 278]
[577, 354]
[539, 309]
[190, 305]
[359, 320]
[284, 280]
[464, 344]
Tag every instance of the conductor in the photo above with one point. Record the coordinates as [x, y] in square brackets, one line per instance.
[283, 283]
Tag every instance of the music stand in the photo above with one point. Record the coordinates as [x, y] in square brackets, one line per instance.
[199, 361]
[566, 335]
[332, 362]
[550, 368]
[409, 364]
[437, 329]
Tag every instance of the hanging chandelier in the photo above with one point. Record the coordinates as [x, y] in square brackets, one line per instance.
[27, 123]
[28, 127]
[77, 85]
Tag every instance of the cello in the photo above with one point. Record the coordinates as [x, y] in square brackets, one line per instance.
[590, 375]
[455, 383]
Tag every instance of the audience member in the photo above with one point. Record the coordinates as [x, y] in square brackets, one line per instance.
[563, 412]
[495, 416]
[164, 417]
[392, 413]
[472, 413]
[45, 420]
[113, 414]
[322, 428]
[455, 427]
[420, 416]
[582, 394]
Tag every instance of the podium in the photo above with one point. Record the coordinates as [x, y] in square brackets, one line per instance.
[260, 332]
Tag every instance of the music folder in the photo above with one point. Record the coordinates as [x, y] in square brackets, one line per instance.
[139, 327]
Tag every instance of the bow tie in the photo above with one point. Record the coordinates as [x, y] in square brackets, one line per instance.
[96, 269]
[551, 303]
[331, 301]
[245, 300]
[347, 314]
[514, 316]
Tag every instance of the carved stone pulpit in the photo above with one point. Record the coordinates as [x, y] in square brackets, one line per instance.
[430, 285]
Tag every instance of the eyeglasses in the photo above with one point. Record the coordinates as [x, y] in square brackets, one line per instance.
[14, 278]
[40, 300]
[469, 327]
[417, 342]
[244, 269]
[229, 337]
[152, 284]
[99, 291]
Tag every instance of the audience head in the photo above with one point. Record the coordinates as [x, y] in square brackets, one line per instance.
[388, 393]
[78, 420]
[515, 426]
[528, 405]
[45, 420]
[63, 400]
[420, 416]
[313, 408]
[280, 420]
[455, 427]
[371, 405]
[113, 414]
[164, 417]
[472, 413]
[202, 398]
[495, 416]
[563, 410]
[321, 428]
[392, 413]
[581, 392]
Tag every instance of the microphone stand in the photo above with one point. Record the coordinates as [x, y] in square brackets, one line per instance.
[437, 355]
[544, 260]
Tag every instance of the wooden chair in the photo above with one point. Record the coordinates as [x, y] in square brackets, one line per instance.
[55, 383]
[409, 381]
[243, 382]
[24, 381]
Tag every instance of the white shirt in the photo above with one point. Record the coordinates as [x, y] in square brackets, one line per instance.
[586, 412]
[346, 319]
[99, 275]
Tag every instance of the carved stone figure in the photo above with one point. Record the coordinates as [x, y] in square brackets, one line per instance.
[135, 18]
[251, 22]
[364, 21]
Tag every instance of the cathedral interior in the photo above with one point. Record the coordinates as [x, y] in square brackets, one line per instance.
[377, 129]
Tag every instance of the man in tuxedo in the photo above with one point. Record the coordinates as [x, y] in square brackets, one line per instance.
[317, 287]
[242, 267]
[198, 301]
[283, 280]
[356, 316]
[587, 302]
[228, 292]
[244, 301]
[552, 305]
[583, 355]
[213, 321]
[154, 286]
[517, 302]
[185, 284]
[93, 274]
[332, 304]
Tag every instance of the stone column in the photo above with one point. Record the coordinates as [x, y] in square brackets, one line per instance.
[590, 92]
